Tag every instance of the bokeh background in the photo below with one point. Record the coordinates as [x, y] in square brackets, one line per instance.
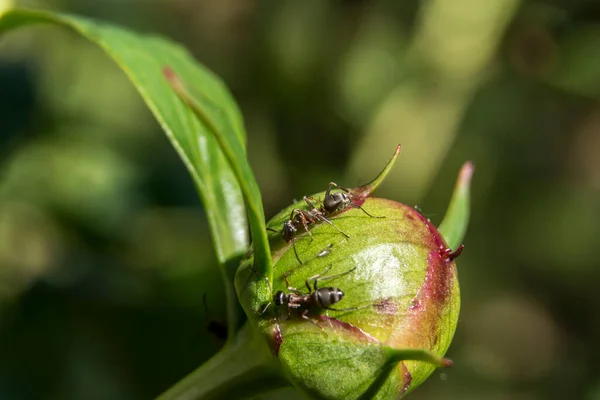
[108, 283]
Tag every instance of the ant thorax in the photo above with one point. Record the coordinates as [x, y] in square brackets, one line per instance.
[292, 300]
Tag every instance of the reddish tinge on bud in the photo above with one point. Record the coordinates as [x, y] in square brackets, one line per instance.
[365, 306]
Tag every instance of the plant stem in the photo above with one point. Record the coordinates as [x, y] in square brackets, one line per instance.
[243, 368]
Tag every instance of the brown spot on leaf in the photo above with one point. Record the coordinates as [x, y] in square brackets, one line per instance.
[386, 306]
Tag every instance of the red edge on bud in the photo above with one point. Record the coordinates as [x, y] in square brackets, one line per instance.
[323, 322]
[437, 287]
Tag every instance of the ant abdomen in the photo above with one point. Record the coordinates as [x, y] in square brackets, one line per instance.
[326, 297]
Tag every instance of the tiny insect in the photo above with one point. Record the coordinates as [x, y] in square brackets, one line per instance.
[336, 202]
[303, 219]
[316, 298]
[326, 251]
[217, 328]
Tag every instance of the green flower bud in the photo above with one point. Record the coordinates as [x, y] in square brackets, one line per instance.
[366, 308]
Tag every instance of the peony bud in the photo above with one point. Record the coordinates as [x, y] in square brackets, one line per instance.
[387, 303]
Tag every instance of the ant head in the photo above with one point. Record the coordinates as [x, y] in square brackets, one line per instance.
[280, 298]
[336, 202]
[289, 231]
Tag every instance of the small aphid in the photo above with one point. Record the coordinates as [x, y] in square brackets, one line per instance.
[326, 251]
[316, 298]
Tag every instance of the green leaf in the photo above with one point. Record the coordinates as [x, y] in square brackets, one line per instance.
[454, 224]
[143, 58]
[235, 153]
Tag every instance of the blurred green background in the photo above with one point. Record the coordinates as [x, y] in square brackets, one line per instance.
[108, 283]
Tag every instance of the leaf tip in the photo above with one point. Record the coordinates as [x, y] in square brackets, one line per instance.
[465, 174]
[446, 363]
[454, 225]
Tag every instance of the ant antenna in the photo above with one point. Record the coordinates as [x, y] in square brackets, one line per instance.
[270, 296]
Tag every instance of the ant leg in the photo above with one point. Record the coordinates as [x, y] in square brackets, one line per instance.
[270, 296]
[333, 184]
[296, 251]
[292, 213]
[306, 317]
[266, 307]
[363, 210]
[289, 287]
[348, 308]
[318, 277]
[269, 286]
[305, 218]
[308, 199]
[322, 218]
[273, 230]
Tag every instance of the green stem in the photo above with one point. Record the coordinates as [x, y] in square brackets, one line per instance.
[243, 368]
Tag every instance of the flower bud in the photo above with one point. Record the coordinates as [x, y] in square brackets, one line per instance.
[366, 308]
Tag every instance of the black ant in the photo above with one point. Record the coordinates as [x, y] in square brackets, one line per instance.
[217, 328]
[321, 298]
[303, 218]
[337, 202]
